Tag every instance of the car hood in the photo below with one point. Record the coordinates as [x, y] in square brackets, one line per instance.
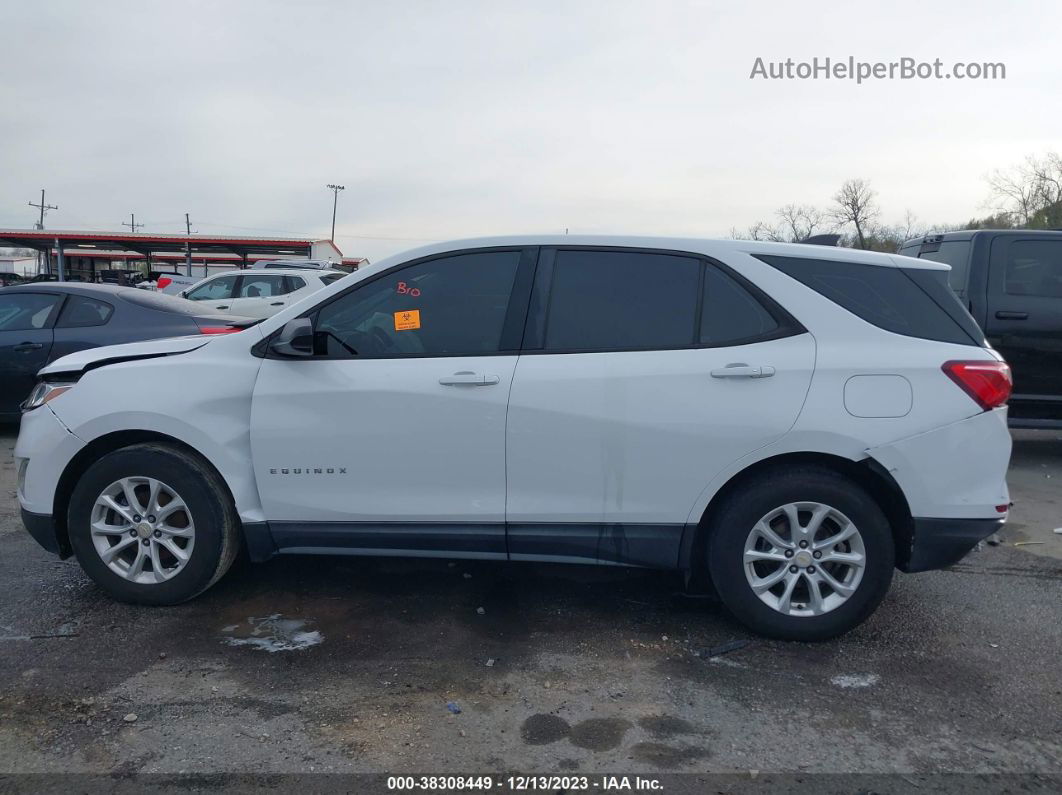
[92, 358]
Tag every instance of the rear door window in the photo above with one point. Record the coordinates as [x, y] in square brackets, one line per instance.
[913, 302]
[263, 286]
[24, 311]
[1034, 267]
[618, 300]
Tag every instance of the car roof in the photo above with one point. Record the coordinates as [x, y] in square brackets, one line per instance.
[82, 288]
[703, 246]
[970, 234]
[291, 271]
[276, 272]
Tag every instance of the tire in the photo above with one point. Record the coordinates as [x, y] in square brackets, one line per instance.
[192, 544]
[741, 554]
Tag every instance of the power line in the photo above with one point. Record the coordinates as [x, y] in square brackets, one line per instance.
[43, 208]
[133, 225]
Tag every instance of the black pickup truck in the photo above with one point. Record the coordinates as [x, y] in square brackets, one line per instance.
[1011, 281]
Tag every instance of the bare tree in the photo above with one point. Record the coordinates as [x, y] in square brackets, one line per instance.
[799, 222]
[1047, 178]
[856, 204]
[1014, 192]
[1027, 190]
[760, 230]
[18, 252]
[910, 227]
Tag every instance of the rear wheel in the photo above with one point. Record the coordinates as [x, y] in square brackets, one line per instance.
[153, 524]
[800, 554]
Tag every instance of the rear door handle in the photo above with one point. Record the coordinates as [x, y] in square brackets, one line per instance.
[277, 303]
[742, 370]
[1004, 315]
[468, 378]
[27, 346]
[222, 307]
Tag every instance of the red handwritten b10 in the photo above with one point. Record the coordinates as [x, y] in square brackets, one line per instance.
[405, 289]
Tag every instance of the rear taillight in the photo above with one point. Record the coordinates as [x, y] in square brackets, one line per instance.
[163, 283]
[219, 329]
[989, 383]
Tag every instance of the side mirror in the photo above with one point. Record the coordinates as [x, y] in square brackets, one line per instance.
[295, 339]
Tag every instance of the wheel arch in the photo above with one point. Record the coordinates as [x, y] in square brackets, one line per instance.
[866, 472]
[96, 449]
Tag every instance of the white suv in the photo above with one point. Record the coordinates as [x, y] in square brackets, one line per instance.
[254, 293]
[786, 424]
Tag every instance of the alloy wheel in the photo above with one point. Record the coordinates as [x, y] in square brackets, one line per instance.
[804, 559]
[142, 530]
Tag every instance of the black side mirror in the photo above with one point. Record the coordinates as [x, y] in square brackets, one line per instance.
[295, 339]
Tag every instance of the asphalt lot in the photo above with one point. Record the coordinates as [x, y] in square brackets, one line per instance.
[565, 668]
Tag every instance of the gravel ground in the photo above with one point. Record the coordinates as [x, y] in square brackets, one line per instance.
[346, 665]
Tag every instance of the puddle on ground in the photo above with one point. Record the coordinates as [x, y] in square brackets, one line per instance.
[595, 734]
[273, 633]
[599, 734]
[543, 729]
[855, 680]
[665, 726]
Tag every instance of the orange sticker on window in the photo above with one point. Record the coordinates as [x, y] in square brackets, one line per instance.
[408, 320]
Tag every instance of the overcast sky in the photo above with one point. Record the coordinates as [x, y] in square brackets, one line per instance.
[466, 118]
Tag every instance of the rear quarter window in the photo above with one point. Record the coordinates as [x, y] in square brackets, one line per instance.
[955, 253]
[913, 302]
[83, 312]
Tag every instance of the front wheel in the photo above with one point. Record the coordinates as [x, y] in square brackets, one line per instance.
[153, 524]
[800, 554]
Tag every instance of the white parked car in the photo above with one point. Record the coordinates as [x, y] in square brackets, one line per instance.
[786, 424]
[255, 293]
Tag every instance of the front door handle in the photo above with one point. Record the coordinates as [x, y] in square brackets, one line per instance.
[222, 307]
[277, 303]
[742, 370]
[27, 346]
[1005, 315]
[468, 378]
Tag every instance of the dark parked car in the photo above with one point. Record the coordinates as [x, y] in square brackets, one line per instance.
[41, 322]
[10, 278]
[1011, 281]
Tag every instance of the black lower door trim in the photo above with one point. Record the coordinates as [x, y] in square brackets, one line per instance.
[650, 545]
[391, 538]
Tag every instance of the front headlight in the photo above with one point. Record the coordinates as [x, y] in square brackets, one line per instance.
[42, 393]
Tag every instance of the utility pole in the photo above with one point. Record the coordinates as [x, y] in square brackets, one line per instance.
[40, 224]
[188, 246]
[43, 208]
[133, 225]
[335, 200]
